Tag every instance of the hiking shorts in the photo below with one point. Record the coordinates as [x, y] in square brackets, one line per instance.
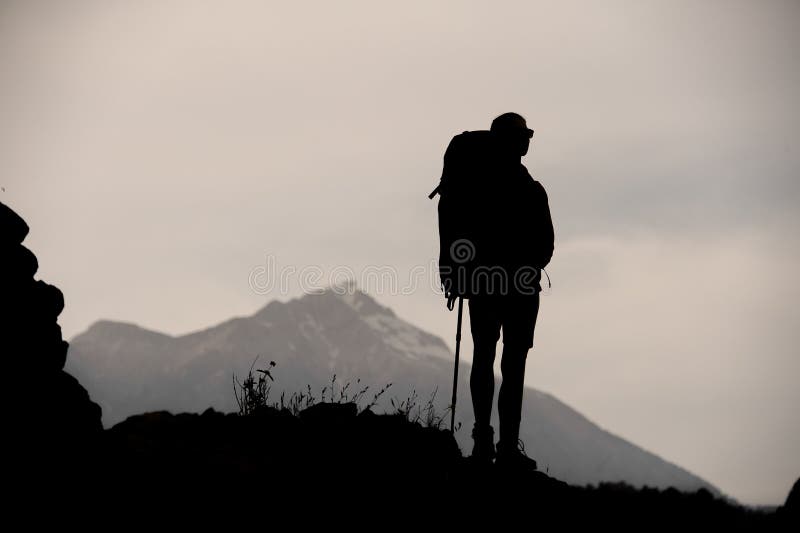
[514, 313]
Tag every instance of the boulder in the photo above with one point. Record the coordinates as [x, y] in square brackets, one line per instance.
[12, 228]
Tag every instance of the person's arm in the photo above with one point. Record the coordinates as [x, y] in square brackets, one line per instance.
[546, 232]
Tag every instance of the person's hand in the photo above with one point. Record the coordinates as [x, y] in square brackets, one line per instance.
[451, 299]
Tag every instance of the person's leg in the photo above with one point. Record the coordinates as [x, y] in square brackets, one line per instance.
[509, 401]
[481, 381]
[519, 320]
[485, 327]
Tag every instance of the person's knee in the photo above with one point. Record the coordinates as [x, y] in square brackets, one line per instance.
[514, 358]
[516, 350]
[481, 371]
[484, 351]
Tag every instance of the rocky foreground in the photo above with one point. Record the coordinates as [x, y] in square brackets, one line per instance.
[333, 457]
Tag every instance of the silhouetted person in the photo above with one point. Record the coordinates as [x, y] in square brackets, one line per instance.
[513, 235]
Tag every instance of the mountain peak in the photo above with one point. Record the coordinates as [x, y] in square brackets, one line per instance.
[361, 302]
[354, 298]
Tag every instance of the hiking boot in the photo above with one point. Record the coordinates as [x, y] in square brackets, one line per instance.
[483, 451]
[514, 458]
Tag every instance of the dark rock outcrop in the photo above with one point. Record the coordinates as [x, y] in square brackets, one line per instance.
[53, 424]
[790, 510]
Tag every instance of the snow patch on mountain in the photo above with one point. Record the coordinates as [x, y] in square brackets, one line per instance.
[405, 338]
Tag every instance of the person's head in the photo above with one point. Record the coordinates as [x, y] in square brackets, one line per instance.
[512, 128]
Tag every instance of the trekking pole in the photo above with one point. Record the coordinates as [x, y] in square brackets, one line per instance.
[455, 371]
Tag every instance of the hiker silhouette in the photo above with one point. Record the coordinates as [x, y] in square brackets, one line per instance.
[496, 236]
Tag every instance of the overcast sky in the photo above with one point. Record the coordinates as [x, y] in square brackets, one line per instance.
[160, 151]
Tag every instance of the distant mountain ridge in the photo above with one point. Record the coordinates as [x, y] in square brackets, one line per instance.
[130, 370]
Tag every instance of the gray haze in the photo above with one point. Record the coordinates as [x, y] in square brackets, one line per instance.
[129, 370]
[160, 151]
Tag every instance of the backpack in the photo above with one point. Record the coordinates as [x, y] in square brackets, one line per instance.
[469, 163]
